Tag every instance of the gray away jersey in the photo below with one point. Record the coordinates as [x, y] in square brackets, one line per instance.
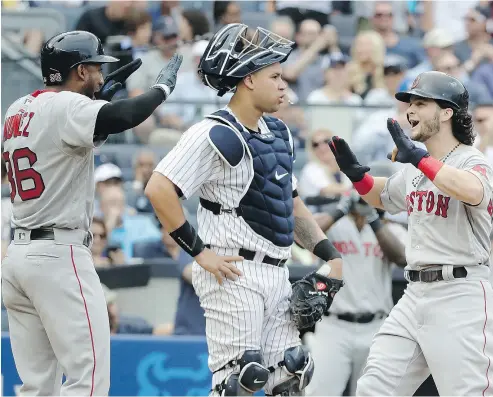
[48, 148]
[367, 274]
[443, 230]
[195, 167]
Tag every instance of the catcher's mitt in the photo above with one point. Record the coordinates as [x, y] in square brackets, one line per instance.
[311, 298]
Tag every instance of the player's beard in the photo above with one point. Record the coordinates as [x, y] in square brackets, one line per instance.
[88, 89]
[428, 128]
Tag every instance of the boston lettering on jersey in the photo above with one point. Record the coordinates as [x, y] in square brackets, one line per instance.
[267, 205]
[424, 200]
[17, 125]
[350, 248]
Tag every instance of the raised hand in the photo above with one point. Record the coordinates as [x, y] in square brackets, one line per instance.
[166, 79]
[114, 81]
[405, 150]
[347, 161]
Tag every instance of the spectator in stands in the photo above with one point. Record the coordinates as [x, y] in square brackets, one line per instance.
[144, 164]
[138, 28]
[124, 230]
[436, 43]
[336, 88]
[383, 23]
[107, 175]
[394, 70]
[226, 12]
[103, 255]
[450, 64]
[191, 99]
[121, 324]
[471, 48]
[6, 210]
[366, 66]
[194, 24]
[284, 27]
[321, 175]
[483, 74]
[316, 10]
[105, 21]
[166, 40]
[483, 123]
[303, 70]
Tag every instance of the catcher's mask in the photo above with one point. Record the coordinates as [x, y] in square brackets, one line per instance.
[234, 52]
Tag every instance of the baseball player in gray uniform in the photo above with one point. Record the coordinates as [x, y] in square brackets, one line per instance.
[369, 246]
[56, 308]
[443, 323]
[239, 162]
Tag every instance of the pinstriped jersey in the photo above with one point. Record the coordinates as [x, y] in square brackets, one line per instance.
[196, 168]
[48, 149]
[443, 230]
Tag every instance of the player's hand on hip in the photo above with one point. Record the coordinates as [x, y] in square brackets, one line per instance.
[219, 266]
[114, 81]
[347, 161]
[405, 150]
[166, 79]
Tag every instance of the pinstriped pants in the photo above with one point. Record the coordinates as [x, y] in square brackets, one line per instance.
[251, 313]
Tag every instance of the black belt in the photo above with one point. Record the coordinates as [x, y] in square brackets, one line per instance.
[361, 318]
[250, 255]
[429, 276]
[217, 208]
[49, 234]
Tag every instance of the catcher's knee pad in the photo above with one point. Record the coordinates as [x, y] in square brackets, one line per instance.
[299, 365]
[251, 378]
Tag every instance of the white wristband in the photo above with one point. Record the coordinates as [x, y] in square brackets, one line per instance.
[164, 88]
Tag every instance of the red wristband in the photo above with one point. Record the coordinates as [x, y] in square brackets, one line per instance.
[430, 167]
[365, 185]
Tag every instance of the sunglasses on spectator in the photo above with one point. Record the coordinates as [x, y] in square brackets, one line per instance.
[317, 144]
[383, 14]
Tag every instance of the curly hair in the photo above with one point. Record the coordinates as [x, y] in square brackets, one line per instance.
[462, 125]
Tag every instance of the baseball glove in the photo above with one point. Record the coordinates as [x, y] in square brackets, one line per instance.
[311, 298]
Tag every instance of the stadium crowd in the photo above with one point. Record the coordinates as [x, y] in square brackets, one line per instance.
[349, 55]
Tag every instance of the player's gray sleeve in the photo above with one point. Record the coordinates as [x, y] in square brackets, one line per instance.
[75, 116]
[393, 195]
[478, 165]
[192, 162]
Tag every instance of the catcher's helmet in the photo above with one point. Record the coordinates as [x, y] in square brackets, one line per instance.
[233, 53]
[438, 86]
[67, 50]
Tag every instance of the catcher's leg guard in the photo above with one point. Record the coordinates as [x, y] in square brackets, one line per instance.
[251, 378]
[299, 365]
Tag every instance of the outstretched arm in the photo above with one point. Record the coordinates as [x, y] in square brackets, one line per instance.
[309, 235]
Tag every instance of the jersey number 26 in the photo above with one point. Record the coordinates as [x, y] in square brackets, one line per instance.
[17, 176]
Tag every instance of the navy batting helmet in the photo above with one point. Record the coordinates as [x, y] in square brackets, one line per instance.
[66, 50]
[233, 53]
[438, 86]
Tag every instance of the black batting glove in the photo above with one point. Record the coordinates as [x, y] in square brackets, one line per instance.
[405, 151]
[114, 81]
[166, 79]
[347, 161]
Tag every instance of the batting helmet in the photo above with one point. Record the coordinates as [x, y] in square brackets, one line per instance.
[438, 86]
[233, 53]
[66, 50]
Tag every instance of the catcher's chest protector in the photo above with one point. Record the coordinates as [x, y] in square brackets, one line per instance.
[267, 205]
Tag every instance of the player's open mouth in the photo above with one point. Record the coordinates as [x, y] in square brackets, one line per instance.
[413, 123]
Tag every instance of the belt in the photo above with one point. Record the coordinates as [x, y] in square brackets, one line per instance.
[250, 256]
[218, 209]
[361, 318]
[429, 276]
[49, 234]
